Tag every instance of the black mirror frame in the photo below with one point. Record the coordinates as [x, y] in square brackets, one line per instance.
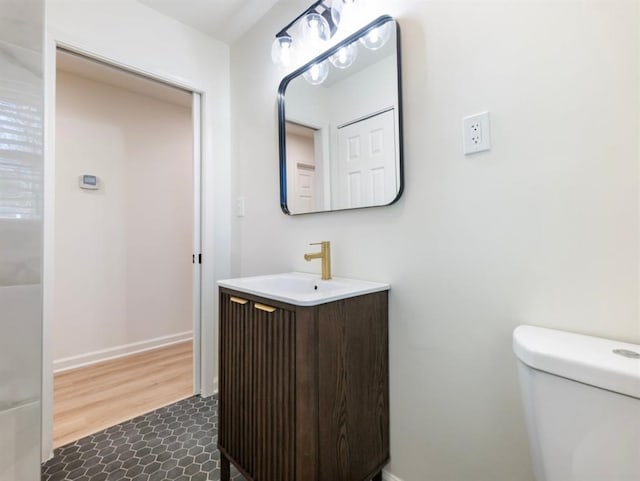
[281, 112]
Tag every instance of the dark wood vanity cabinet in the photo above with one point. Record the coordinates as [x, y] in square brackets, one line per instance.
[303, 391]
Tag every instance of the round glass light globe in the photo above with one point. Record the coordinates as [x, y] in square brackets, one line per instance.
[337, 7]
[282, 52]
[345, 57]
[317, 73]
[315, 29]
[377, 37]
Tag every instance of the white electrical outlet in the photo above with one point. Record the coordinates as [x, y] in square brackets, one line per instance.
[476, 133]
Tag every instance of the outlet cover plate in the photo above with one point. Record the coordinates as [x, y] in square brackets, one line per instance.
[476, 133]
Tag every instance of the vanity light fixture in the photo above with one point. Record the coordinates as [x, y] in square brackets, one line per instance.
[317, 73]
[317, 24]
[282, 51]
[377, 37]
[314, 27]
[345, 57]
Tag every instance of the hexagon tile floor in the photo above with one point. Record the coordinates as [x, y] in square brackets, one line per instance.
[174, 443]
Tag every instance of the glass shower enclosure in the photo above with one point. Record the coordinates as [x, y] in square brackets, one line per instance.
[21, 193]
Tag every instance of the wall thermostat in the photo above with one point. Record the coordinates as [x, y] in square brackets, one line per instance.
[88, 181]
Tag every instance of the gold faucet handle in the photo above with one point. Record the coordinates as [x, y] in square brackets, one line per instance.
[319, 243]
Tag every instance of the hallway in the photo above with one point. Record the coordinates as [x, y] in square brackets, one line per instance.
[93, 398]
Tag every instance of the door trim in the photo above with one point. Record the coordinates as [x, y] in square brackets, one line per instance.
[196, 112]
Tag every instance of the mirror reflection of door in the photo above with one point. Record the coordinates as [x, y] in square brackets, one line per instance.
[304, 171]
[366, 162]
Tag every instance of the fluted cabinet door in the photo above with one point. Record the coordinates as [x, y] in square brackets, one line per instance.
[257, 397]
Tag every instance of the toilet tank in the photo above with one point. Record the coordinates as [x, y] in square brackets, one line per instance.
[581, 397]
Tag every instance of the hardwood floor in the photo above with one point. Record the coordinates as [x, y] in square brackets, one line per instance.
[92, 398]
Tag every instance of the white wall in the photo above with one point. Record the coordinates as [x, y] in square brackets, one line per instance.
[345, 100]
[132, 35]
[309, 105]
[543, 229]
[366, 92]
[123, 252]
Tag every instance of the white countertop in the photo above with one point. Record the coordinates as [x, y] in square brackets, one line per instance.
[303, 289]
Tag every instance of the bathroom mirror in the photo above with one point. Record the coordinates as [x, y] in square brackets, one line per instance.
[340, 125]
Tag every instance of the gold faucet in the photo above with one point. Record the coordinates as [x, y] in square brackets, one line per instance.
[325, 255]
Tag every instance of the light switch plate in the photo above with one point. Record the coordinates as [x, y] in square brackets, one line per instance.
[240, 207]
[476, 133]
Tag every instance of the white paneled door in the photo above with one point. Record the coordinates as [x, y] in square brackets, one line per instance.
[301, 168]
[366, 167]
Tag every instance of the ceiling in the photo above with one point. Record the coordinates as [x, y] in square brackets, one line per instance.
[225, 20]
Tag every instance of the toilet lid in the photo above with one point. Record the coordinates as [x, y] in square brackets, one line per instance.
[603, 363]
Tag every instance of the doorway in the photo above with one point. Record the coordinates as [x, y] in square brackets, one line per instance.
[127, 207]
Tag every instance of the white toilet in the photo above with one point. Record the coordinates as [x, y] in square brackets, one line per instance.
[581, 398]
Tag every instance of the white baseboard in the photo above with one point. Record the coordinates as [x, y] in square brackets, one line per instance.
[387, 476]
[81, 360]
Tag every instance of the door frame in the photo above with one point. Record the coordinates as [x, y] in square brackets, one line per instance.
[200, 384]
[322, 141]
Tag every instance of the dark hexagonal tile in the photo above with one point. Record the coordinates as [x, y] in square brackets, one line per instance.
[158, 476]
[175, 443]
[200, 477]
[130, 463]
[154, 442]
[103, 444]
[138, 445]
[116, 475]
[76, 473]
[113, 466]
[158, 449]
[172, 438]
[143, 452]
[70, 466]
[195, 450]
[148, 459]
[93, 470]
[193, 429]
[109, 450]
[175, 472]
[135, 471]
[179, 453]
[152, 468]
[169, 464]
[185, 461]
[163, 456]
[110, 458]
[191, 469]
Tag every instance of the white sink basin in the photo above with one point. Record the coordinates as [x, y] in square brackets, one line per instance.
[302, 289]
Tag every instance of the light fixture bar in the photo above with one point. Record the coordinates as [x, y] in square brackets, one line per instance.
[312, 8]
